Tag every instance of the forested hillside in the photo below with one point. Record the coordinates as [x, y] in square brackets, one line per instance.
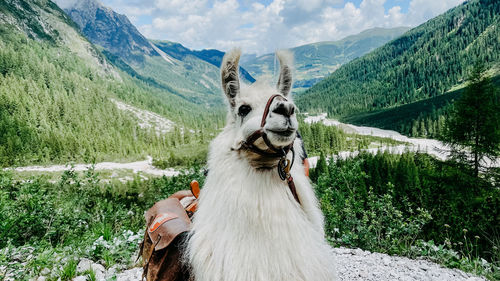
[56, 94]
[424, 118]
[423, 63]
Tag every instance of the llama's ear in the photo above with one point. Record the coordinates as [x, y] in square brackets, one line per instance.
[229, 75]
[285, 79]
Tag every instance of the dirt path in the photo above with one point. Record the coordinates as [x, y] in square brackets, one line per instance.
[145, 166]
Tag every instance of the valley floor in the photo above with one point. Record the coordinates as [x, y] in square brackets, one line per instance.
[429, 146]
[352, 264]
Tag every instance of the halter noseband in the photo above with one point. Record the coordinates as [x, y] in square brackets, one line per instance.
[249, 142]
[284, 165]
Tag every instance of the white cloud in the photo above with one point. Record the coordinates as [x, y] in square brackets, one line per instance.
[261, 28]
[422, 10]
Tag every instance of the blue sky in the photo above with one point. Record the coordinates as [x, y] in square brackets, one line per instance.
[267, 25]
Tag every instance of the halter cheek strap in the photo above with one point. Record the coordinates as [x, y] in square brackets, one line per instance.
[284, 165]
[249, 142]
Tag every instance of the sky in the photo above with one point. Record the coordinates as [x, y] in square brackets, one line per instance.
[264, 26]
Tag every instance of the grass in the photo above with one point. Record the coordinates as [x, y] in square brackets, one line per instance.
[68, 271]
[115, 176]
[90, 274]
[183, 156]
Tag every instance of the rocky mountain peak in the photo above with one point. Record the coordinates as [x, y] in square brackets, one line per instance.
[113, 31]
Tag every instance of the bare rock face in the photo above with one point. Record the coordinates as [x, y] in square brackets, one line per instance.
[113, 31]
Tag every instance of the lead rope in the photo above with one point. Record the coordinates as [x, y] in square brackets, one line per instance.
[284, 167]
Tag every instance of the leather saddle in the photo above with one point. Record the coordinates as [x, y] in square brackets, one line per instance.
[168, 223]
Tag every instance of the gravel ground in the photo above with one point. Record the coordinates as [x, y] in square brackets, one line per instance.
[359, 265]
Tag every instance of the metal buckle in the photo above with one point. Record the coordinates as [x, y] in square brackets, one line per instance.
[284, 168]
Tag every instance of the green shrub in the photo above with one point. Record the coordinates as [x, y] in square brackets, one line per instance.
[360, 218]
[392, 203]
[76, 217]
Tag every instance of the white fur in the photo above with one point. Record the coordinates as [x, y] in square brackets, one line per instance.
[248, 226]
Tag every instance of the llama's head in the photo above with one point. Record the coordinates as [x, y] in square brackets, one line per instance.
[247, 105]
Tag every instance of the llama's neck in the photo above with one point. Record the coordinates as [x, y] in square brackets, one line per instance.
[249, 227]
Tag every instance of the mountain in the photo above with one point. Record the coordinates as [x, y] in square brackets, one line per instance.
[112, 31]
[212, 56]
[315, 61]
[62, 101]
[425, 62]
[191, 78]
[44, 20]
[193, 75]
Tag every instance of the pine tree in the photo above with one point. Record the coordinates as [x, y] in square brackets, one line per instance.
[473, 128]
[321, 167]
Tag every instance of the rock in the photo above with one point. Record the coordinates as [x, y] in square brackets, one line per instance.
[342, 251]
[100, 275]
[130, 275]
[359, 265]
[86, 264]
[106, 28]
[111, 271]
[80, 278]
[45, 271]
[98, 268]
[83, 265]
[41, 278]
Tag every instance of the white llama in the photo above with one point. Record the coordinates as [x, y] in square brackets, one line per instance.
[249, 226]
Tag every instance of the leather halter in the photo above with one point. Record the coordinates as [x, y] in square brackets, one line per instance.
[284, 165]
[249, 142]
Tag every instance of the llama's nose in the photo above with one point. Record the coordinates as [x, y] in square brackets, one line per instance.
[284, 108]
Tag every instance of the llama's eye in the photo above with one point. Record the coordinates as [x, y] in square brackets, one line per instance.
[244, 110]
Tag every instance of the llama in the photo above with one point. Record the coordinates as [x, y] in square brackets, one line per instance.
[249, 226]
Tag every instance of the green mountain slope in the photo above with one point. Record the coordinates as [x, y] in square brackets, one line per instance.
[424, 62]
[424, 118]
[57, 94]
[315, 61]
